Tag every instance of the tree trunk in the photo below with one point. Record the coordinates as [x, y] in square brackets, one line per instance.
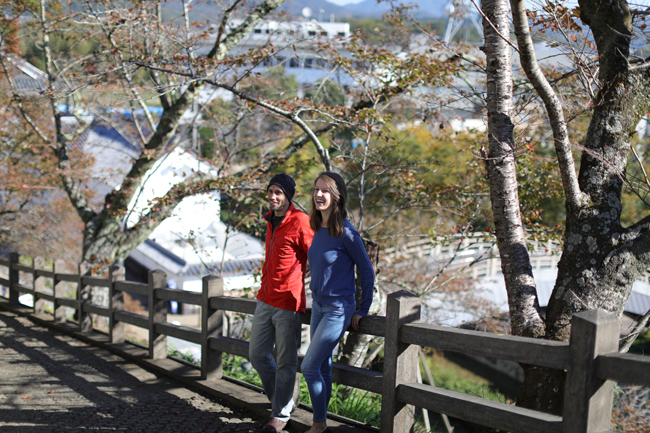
[501, 168]
[601, 259]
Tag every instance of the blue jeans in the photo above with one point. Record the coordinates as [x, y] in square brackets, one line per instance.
[279, 327]
[328, 323]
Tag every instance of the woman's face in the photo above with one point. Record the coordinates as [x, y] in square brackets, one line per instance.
[323, 199]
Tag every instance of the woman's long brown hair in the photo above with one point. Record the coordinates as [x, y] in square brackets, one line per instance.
[339, 193]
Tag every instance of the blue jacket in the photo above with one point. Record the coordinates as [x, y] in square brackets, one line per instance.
[332, 262]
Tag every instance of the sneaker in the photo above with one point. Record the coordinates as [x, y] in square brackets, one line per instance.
[274, 426]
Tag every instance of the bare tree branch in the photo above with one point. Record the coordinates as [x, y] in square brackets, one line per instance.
[221, 48]
[641, 325]
[553, 105]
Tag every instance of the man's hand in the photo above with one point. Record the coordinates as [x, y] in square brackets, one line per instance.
[355, 321]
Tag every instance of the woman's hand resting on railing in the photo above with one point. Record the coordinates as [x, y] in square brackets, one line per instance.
[356, 319]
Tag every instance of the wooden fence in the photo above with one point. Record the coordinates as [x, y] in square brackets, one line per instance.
[590, 359]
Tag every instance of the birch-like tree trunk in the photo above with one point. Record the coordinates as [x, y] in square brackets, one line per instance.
[500, 163]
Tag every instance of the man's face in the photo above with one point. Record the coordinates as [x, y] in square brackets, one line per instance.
[277, 200]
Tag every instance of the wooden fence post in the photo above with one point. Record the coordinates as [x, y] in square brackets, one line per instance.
[157, 314]
[14, 278]
[211, 325]
[400, 362]
[38, 263]
[58, 288]
[587, 399]
[115, 303]
[83, 297]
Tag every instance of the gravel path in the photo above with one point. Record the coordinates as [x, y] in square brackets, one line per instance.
[54, 383]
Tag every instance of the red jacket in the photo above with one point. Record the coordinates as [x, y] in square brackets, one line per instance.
[283, 274]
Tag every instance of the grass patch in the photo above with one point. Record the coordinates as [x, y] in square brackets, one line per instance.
[358, 405]
[450, 376]
[642, 344]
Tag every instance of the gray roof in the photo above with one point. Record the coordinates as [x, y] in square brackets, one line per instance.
[172, 263]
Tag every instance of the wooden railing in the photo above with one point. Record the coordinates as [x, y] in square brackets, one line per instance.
[590, 359]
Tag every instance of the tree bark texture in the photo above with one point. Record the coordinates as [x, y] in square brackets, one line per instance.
[501, 171]
[601, 259]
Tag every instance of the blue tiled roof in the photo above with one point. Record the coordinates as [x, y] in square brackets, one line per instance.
[112, 134]
[165, 252]
[638, 304]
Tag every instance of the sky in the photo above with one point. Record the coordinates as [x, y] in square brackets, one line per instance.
[344, 2]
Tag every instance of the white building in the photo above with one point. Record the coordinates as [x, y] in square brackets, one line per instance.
[193, 241]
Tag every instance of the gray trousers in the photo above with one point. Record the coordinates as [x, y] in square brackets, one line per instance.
[279, 327]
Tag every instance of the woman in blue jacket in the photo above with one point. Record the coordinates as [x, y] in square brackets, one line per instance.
[334, 252]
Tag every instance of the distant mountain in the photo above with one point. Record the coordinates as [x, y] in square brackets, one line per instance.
[370, 8]
[320, 9]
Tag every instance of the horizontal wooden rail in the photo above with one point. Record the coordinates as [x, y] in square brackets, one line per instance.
[95, 281]
[545, 353]
[21, 288]
[183, 296]
[22, 268]
[624, 368]
[132, 319]
[239, 305]
[46, 296]
[132, 287]
[69, 302]
[5, 262]
[233, 346]
[4, 282]
[43, 273]
[95, 309]
[361, 378]
[74, 278]
[181, 332]
[372, 325]
[478, 410]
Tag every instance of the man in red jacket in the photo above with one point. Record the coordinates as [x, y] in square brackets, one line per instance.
[281, 300]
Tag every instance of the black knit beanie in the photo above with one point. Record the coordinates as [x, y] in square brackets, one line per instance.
[285, 182]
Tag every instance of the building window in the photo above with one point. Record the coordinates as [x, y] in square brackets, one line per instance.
[309, 63]
[323, 33]
[294, 62]
[280, 61]
[257, 31]
[311, 33]
[322, 63]
[341, 34]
